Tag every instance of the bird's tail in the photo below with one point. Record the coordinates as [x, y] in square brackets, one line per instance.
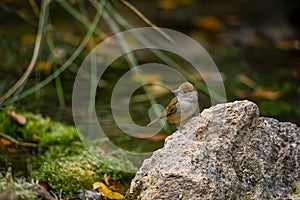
[155, 120]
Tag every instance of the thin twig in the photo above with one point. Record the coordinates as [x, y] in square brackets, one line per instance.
[39, 37]
[13, 140]
[146, 20]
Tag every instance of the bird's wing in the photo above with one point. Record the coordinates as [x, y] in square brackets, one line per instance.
[170, 109]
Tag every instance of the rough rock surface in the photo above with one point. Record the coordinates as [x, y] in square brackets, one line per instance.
[227, 152]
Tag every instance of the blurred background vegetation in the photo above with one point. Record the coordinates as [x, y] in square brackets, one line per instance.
[255, 45]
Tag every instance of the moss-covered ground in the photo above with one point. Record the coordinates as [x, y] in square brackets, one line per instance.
[61, 164]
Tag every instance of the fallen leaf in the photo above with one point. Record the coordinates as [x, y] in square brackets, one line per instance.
[17, 117]
[266, 93]
[257, 42]
[43, 185]
[158, 137]
[107, 179]
[241, 93]
[286, 45]
[92, 43]
[4, 142]
[105, 191]
[12, 150]
[210, 23]
[43, 66]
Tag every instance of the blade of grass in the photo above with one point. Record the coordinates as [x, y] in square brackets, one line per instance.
[145, 19]
[77, 15]
[132, 61]
[38, 41]
[59, 90]
[76, 53]
[162, 56]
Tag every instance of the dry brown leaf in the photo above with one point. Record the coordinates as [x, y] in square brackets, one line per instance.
[210, 23]
[266, 93]
[92, 43]
[43, 66]
[107, 179]
[286, 45]
[158, 137]
[17, 117]
[12, 150]
[241, 93]
[4, 142]
[257, 42]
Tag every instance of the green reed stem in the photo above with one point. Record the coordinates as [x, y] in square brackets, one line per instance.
[38, 41]
[76, 53]
[162, 56]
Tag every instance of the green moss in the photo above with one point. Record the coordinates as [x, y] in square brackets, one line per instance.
[134, 195]
[63, 162]
[16, 188]
[37, 128]
[70, 173]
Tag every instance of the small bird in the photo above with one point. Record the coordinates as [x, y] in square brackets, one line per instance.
[182, 107]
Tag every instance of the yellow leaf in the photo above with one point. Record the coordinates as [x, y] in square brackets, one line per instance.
[210, 23]
[105, 191]
[43, 66]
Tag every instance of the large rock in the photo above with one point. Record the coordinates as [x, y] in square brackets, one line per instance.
[227, 152]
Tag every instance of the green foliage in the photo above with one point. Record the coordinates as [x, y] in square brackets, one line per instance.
[58, 134]
[38, 128]
[72, 173]
[8, 126]
[68, 173]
